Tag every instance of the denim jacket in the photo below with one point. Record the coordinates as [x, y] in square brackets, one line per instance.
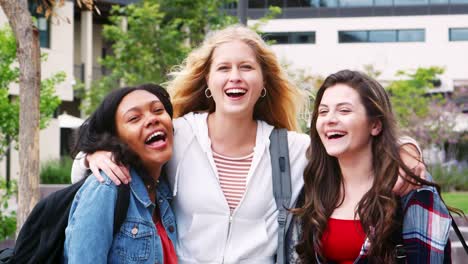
[89, 235]
[426, 226]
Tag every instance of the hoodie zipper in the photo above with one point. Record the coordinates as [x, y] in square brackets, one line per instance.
[228, 235]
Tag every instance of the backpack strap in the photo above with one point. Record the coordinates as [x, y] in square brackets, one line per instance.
[281, 184]
[121, 206]
[397, 235]
[459, 234]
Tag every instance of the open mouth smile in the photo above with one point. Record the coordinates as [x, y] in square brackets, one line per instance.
[335, 134]
[235, 92]
[156, 140]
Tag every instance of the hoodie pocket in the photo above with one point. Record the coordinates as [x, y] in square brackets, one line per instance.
[205, 239]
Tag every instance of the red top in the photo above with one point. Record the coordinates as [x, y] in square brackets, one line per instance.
[342, 240]
[169, 255]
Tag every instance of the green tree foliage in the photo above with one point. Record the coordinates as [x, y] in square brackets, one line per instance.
[9, 105]
[409, 94]
[159, 35]
[428, 117]
[7, 216]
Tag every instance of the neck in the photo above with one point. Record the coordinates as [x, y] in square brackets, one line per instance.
[357, 168]
[153, 173]
[357, 180]
[231, 136]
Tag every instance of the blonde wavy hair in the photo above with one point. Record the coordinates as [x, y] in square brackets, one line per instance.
[188, 81]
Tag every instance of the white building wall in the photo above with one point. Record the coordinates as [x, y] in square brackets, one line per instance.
[327, 56]
[98, 46]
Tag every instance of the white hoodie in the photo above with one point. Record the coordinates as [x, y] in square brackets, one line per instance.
[208, 233]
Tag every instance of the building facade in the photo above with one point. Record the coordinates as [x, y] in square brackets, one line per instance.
[325, 36]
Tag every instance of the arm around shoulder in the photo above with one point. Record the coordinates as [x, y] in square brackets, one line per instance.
[79, 167]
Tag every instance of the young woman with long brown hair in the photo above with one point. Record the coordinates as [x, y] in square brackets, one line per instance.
[350, 213]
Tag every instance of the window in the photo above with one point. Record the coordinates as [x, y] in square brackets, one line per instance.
[275, 3]
[383, 2]
[290, 37]
[257, 3]
[352, 36]
[458, 34]
[382, 36]
[42, 24]
[352, 3]
[376, 36]
[438, 2]
[410, 2]
[411, 35]
[328, 3]
[300, 3]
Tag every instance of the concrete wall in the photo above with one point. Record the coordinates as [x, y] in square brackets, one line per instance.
[327, 55]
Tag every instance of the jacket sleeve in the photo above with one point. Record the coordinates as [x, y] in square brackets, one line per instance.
[89, 234]
[79, 168]
[426, 227]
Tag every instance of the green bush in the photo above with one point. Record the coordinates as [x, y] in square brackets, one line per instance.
[56, 171]
[450, 178]
[7, 219]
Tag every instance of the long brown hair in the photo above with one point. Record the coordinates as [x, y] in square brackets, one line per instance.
[187, 87]
[323, 179]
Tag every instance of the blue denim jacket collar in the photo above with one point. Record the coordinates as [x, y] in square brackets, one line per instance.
[139, 190]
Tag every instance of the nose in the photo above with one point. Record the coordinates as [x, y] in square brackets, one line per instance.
[151, 119]
[235, 75]
[331, 118]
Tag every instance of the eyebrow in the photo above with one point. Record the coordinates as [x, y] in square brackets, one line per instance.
[216, 63]
[136, 108]
[340, 104]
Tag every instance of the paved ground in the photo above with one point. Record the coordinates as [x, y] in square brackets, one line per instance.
[458, 254]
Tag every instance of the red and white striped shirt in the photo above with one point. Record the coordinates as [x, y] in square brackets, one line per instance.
[232, 174]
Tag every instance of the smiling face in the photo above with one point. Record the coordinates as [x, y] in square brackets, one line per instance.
[235, 79]
[343, 124]
[144, 125]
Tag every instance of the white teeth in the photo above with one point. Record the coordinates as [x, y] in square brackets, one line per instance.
[236, 91]
[155, 134]
[330, 134]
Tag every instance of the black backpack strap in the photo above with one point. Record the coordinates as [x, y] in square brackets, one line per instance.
[459, 234]
[281, 184]
[397, 235]
[121, 206]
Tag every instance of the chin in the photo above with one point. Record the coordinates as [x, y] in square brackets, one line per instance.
[334, 152]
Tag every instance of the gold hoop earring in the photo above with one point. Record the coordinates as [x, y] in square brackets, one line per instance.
[264, 92]
[208, 93]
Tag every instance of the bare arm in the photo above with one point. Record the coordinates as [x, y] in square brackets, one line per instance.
[99, 160]
[411, 155]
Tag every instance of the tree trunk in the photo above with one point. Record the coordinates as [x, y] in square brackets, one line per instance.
[28, 53]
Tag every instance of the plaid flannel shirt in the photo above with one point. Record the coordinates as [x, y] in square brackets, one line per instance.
[426, 226]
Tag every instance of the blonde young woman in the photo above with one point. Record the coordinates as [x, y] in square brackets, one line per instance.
[228, 96]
